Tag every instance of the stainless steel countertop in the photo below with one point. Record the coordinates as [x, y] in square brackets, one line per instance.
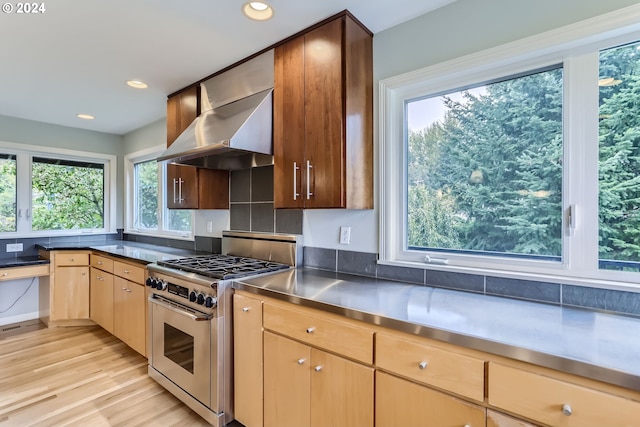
[143, 253]
[592, 344]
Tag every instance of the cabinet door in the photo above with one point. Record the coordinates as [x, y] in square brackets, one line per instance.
[129, 313]
[182, 187]
[288, 125]
[324, 117]
[101, 309]
[400, 403]
[70, 291]
[213, 189]
[247, 353]
[286, 382]
[341, 391]
[182, 109]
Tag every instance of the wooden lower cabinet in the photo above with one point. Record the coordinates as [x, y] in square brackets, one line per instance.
[496, 419]
[402, 403]
[102, 298]
[70, 296]
[305, 386]
[247, 353]
[129, 320]
[555, 402]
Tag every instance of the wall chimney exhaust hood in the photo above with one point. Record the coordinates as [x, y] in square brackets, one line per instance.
[235, 127]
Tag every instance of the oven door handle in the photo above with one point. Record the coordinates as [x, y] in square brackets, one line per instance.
[204, 317]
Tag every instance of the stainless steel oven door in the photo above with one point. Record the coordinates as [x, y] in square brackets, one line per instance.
[181, 346]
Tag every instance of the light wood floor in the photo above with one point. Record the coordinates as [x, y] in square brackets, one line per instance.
[81, 376]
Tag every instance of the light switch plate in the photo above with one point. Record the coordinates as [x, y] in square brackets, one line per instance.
[345, 235]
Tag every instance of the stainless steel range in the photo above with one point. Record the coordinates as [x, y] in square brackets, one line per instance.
[190, 328]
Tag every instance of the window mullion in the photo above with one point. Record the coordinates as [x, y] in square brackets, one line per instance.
[580, 245]
[23, 196]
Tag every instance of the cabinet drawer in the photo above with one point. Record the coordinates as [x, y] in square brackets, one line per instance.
[12, 273]
[401, 403]
[71, 258]
[341, 338]
[427, 364]
[130, 272]
[546, 400]
[103, 263]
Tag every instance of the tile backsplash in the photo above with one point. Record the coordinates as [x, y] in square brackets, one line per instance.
[251, 204]
[364, 264]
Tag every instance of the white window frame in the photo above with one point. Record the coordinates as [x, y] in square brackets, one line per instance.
[142, 156]
[24, 154]
[576, 47]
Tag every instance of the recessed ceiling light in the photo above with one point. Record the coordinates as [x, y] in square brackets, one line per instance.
[85, 116]
[257, 10]
[138, 84]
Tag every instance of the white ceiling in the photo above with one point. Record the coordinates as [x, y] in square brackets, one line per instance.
[76, 56]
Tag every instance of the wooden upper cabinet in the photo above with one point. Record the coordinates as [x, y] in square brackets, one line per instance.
[189, 187]
[323, 135]
[182, 110]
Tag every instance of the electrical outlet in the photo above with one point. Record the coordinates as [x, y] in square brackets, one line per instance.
[345, 235]
[209, 226]
[14, 247]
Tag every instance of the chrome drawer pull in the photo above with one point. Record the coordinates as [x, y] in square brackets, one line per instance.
[301, 361]
[310, 330]
[318, 368]
[566, 409]
[245, 309]
[422, 365]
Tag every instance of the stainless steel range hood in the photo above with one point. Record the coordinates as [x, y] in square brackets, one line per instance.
[235, 127]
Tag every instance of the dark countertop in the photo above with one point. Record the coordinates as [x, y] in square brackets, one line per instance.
[142, 252]
[591, 344]
[22, 261]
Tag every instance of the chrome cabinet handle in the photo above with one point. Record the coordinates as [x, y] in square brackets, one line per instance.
[180, 198]
[309, 193]
[310, 330]
[100, 278]
[126, 271]
[422, 365]
[318, 368]
[174, 190]
[566, 409]
[296, 168]
[245, 309]
[301, 361]
[99, 262]
[126, 289]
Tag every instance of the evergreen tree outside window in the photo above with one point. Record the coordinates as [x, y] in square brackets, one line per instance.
[485, 173]
[619, 158]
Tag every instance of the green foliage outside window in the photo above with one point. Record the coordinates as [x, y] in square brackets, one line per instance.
[488, 177]
[67, 195]
[7, 193]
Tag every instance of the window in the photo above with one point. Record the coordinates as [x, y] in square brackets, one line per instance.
[7, 193]
[484, 168]
[146, 198]
[619, 158]
[522, 161]
[51, 192]
[66, 194]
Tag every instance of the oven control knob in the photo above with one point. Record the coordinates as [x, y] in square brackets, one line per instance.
[193, 296]
[161, 285]
[151, 282]
[200, 299]
[210, 302]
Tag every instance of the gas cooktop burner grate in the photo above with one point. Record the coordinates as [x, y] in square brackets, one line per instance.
[223, 266]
